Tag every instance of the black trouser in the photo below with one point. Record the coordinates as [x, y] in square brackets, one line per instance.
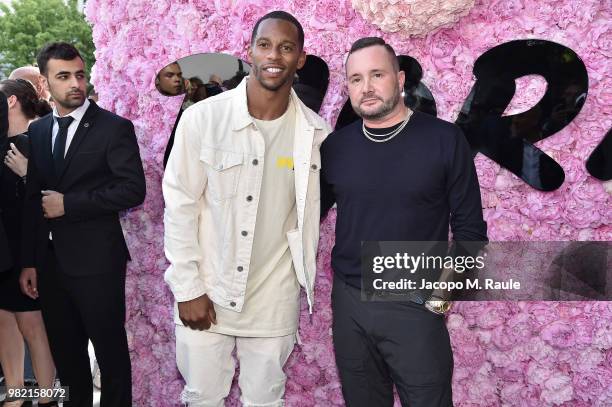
[79, 309]
[379, 344]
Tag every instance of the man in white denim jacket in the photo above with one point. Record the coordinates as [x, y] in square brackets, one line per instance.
[242, 223]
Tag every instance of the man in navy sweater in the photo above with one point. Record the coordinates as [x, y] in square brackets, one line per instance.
[398, 175]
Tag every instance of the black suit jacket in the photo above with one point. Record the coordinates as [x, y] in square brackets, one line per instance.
[5, 254]
[102, 176]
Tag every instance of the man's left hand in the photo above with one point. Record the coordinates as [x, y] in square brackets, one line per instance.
[52, 204]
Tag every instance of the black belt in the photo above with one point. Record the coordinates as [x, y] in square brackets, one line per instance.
[387, 295]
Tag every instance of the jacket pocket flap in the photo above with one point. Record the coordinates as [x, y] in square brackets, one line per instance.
[219, 159]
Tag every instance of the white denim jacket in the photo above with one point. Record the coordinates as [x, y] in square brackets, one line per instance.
[211, 189]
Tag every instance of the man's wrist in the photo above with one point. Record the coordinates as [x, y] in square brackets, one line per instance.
[190, 295]
[438, 306]
[61, 198]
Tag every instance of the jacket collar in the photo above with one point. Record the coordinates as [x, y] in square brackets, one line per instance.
[243, 118]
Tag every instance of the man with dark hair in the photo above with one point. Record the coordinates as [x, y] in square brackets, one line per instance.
[56, 50]
[84, 168]
[242, 224]
[169, 80]
[281, 15]
[396, 175]
[371, 41]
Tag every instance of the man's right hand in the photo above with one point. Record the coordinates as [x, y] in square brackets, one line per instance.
[28, 282]
[198, 313]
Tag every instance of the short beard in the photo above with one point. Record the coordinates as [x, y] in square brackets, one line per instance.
[69, 105]
[385, 109]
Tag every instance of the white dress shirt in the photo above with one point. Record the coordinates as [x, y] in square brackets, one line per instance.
[77, 114]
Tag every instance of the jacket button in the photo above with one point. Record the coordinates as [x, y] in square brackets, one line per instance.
[249, 198]
[255, 161]
[232, 304]
[313, 166]
[240, 268]
[244, 233]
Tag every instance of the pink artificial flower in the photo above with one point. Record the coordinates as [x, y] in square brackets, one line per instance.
[559, 334]
[557, 389]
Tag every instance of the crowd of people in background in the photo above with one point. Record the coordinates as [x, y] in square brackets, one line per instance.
[170, 82]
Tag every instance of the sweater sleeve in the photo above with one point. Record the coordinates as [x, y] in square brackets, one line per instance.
[463, 191]
[327, 193]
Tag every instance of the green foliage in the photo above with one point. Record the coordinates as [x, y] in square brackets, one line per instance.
[27, 25]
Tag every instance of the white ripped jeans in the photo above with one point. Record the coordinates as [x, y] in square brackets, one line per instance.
[206, 363]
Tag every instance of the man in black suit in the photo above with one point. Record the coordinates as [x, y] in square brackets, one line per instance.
[84, 169]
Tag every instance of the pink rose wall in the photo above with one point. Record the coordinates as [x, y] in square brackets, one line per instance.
[506, 353]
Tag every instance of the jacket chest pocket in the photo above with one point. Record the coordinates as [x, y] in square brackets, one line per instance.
[223, 172]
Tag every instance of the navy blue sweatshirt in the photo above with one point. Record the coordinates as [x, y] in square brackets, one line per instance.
[409, 188]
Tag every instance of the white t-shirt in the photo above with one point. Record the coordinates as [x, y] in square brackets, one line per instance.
[271, 307]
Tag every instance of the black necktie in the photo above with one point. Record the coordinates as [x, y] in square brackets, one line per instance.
[59, 147]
